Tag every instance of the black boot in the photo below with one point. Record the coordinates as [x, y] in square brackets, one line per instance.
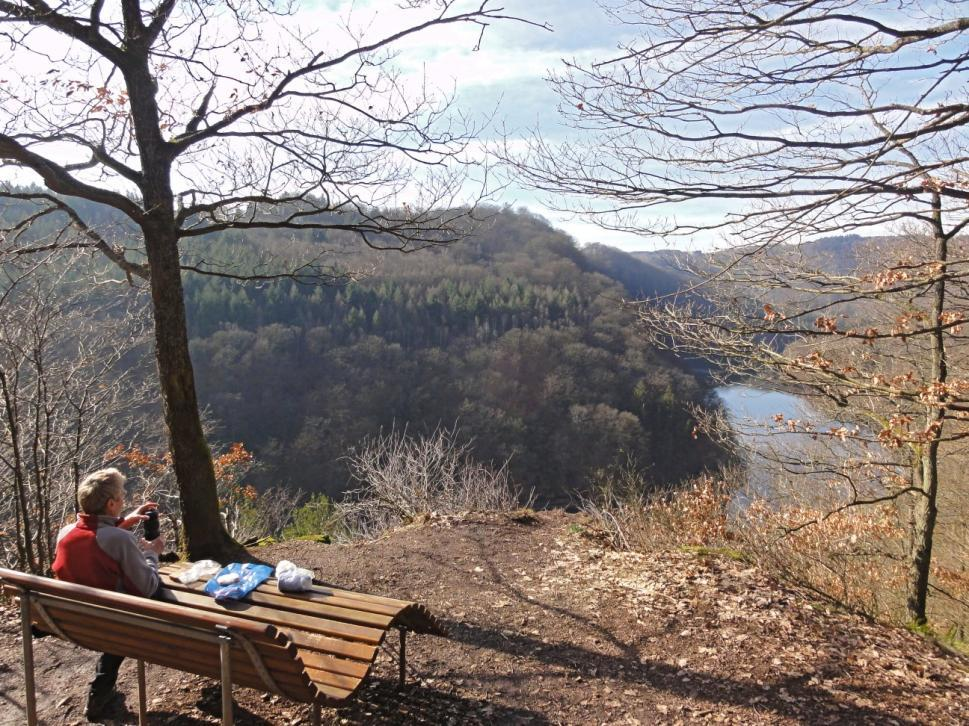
[102, 692]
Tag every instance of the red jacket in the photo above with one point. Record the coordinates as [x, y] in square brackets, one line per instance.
[96, 552]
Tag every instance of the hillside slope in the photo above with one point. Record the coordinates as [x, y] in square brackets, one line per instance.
[550, 628]
[515, 334]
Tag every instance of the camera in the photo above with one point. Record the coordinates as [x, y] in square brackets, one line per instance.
[151, 525]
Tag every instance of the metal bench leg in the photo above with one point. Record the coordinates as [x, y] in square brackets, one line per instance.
[315, 715]
[402, 661]
[30, 696]
[225, 661]
[142, 696]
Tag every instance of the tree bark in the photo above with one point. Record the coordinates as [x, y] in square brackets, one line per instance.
[204, 536]
[926, 509]
[923, 529]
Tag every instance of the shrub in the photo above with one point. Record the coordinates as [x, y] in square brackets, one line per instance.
[401, 478]
[312, 520]
[852, 556]
[632, 517]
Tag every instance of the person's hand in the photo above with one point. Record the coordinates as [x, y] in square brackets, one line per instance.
[137, 515]
[156, 545]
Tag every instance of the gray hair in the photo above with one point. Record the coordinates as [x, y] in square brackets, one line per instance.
[97, 488]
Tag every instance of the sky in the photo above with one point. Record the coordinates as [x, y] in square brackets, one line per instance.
[504, 79]
[501, 80]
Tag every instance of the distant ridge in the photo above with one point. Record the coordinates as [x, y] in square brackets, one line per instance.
[839, 255]
[641, 276]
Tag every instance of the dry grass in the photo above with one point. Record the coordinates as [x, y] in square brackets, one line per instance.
[853, 556]
[694, 515]
[856, 557]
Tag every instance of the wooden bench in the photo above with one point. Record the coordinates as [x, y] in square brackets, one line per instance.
[315, 647]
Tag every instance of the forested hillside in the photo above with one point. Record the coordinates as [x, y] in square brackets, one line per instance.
[514, 334]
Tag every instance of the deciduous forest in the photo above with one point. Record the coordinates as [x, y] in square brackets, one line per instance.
[515, 335]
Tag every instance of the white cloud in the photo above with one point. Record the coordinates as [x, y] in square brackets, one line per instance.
[502, 79]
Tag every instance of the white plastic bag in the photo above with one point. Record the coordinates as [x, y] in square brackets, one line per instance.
[202, 568]
[290, 578]
[284, 566]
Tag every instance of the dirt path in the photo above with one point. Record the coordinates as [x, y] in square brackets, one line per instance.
[549, 628]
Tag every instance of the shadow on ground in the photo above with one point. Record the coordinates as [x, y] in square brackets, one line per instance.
[787, 695]
[381, 702]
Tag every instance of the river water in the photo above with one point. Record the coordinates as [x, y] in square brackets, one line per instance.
[748, 406]
[751, 412]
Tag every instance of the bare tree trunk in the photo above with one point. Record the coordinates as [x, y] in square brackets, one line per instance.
[923, 528]
[204, 533]
[926, 510]
[25, 550]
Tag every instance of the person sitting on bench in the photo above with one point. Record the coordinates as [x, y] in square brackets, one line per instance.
[99, 551]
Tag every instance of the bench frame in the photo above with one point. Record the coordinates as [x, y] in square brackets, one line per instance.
[223, 636]
[30, 591]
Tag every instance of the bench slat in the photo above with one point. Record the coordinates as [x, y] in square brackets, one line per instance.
[173, 655]
[328, 678]
[65, 618]
[325, 598]
[133, 604]
[242, 609]
[362, 598]
[334, 694]
[202, 658]
[323, 644]
[134, 624]
[322, 661]
[404, 613]
[307, 607]
[124, 618]
[322, 594]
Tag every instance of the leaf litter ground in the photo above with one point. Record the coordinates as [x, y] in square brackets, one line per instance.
[549, 627]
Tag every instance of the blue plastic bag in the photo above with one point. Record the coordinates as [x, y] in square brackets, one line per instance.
[250, 577]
